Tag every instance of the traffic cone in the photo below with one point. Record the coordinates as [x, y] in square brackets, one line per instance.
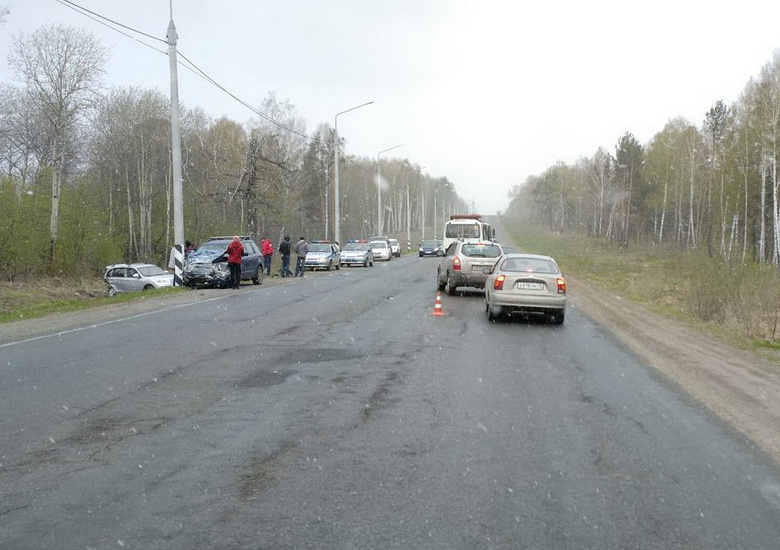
[437, 310]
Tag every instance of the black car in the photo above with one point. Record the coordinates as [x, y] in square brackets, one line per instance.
[431, 247]
[207, 266]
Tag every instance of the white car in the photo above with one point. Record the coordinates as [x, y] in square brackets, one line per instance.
[132, 277]
[381, 250]
[395, 248]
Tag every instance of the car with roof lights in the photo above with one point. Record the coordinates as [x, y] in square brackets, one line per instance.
[323, 255]
[525, 284]
[137, 276]
[207, 266]
[357, 252]
[463, 264]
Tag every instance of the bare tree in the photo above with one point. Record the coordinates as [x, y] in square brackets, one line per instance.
[61, 67]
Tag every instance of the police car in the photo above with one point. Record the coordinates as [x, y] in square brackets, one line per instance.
[357, 252]
[323, 255]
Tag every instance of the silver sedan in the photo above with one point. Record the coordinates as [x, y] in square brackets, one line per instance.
[525, 283]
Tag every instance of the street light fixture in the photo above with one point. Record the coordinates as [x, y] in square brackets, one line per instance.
[336, 207]
[379, 187]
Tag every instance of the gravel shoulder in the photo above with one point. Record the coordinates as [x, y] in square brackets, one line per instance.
[739, 387]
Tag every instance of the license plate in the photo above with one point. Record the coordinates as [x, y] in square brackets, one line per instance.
[530, 286]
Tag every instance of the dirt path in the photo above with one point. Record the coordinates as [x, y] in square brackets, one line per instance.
[739, 387]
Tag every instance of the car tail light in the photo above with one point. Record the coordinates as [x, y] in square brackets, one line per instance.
[561, 285]
[456, 264]
[498, 282]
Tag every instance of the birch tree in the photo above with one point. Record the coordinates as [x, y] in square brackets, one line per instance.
[62, 68]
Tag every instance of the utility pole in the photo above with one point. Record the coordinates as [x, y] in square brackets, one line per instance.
[178, 209]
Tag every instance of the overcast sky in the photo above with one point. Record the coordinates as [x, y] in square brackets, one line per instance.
[484, 92]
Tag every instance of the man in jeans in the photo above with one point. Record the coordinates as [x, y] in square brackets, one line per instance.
[267, 250]
[284, 251]
[301, 249]
[235, 252]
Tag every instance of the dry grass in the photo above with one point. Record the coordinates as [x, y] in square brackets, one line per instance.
[25, 299]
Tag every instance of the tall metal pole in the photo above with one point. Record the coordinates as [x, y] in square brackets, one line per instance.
[178, 209]
[379, 187]
[336, 195]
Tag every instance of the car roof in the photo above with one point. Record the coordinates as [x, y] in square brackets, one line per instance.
[229, 238]
[136, 265]
[525, 255]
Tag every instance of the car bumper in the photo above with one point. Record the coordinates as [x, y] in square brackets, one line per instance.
[353, 261]
[527, 302]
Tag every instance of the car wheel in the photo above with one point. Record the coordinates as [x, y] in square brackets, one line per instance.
[148, 287]
[558, 317]
[258, 278]
[111, 291]
[439, 284]
[365, 263]
[494, 313]
[338, 266]
[449, 286]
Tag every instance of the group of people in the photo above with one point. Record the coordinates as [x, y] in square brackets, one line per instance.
[235, 251]
[285, 248]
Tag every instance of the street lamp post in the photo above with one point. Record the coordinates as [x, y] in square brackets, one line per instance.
[336, 206]
[379, 186]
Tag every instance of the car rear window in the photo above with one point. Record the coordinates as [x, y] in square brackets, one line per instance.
[531, 265]
[479, 250]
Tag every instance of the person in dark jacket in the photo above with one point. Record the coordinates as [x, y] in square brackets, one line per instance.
[284, 250]
[235, 252]
[301, 249]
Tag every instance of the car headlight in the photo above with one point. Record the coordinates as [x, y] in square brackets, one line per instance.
[223, 267]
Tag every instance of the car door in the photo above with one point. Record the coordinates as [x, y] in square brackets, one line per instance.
[115, 279]
[133, 280]
[250, 261]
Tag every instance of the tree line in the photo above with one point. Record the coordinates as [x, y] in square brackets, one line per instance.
[86, 178]
[712, 187]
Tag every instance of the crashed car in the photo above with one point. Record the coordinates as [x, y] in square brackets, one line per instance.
[207, 266]
[132, 277]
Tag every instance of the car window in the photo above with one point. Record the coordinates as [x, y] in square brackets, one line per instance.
[530, 265]
[250, 247]
[151, 271]
[354, 246]
[481, 250]
[116, 272]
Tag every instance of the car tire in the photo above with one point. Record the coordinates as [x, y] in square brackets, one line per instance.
[449, 286]
[439, 284]
[494, 314]
[148, 287]
[258, 278]
[111, 291]
[365, 263]
[338, 266]
[558, 317]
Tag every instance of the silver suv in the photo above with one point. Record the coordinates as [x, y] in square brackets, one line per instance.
[463, 264]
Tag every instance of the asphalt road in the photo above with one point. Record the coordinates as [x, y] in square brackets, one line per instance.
[336, 412]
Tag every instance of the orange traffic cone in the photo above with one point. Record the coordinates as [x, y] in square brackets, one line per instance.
[437, 310]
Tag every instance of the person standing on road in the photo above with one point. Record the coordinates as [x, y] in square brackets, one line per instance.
[267, 250]
[284, 251]
[235, 252]
[301, 249]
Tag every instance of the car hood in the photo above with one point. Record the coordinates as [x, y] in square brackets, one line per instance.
[206, 257]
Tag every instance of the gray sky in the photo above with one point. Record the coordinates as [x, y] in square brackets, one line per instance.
[484, 92]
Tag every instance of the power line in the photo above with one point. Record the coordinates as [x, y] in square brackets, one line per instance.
[107, 22]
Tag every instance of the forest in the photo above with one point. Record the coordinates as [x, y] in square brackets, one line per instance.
[712, 188]
[86, 178]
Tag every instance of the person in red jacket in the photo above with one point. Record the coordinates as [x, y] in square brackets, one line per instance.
[267, 250]
[235, 252]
